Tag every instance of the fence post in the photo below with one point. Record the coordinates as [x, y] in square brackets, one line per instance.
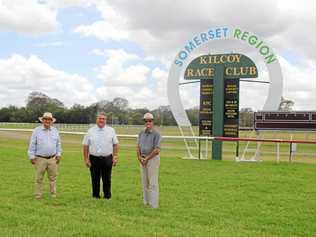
[290, 158]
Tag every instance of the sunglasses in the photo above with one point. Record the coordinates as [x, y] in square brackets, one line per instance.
[148, 121]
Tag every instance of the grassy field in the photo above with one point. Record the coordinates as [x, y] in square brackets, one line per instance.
[197, 198]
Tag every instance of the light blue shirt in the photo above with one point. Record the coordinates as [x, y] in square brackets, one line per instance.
[44, 142]
[100, 140]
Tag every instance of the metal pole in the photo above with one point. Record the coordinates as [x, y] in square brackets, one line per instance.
[278, 152]
[290, 158]
[206, 148]
[199, 149]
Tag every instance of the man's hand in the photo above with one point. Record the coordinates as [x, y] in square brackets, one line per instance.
[88, 163]
[114, 160]
[57, 158]
[33, 161]
[139, 158]
[145, 161]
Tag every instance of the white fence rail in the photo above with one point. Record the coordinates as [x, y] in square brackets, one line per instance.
[304, 154]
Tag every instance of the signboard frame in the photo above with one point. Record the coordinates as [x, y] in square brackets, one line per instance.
[224, 70]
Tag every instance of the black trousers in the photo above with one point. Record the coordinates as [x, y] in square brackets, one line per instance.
[101, 167]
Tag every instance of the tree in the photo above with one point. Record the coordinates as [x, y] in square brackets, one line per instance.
[38, 103]
[40, 99]
[246, 117]
[135, 118]
[117, 112]
[120, 103]
[193, 115]
[286, 105]
[163, 116]
[5, 114]
[77, 114]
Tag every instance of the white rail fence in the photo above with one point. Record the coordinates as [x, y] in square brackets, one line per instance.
[81, 129]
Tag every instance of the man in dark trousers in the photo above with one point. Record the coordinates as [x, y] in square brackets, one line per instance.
[100, 152]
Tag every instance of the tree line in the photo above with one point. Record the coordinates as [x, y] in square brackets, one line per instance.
[117, 110]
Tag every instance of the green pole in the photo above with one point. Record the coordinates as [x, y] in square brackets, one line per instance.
[218, 111]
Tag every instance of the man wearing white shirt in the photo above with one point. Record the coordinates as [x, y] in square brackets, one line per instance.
[100, 152]
[45, 153]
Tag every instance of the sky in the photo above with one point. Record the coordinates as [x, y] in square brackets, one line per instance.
[84, 51]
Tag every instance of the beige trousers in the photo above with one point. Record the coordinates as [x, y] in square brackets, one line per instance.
[150, 174]
[41, 166]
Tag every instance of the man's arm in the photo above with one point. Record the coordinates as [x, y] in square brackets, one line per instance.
[115, 153]
[32, 148]
[139, 157]
[153, 154]
[156, 150]
[58, 149]
[86, 156]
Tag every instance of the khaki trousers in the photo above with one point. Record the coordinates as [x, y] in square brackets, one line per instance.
[150, 174]
[41, 166]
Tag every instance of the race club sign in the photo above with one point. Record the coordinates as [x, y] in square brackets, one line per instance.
[219, 109]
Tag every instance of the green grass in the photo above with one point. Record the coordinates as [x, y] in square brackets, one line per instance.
[197, 198]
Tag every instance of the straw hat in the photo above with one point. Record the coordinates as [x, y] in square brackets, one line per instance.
[47, 115]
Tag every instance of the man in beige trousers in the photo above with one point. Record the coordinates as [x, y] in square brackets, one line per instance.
[148, 150]
[45, 153]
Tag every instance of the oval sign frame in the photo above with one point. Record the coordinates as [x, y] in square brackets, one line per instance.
[224, 37]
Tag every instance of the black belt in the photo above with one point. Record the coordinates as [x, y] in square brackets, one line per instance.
[46, 157]
[101, 157]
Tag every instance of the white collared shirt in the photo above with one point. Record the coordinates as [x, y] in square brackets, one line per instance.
[100, 140]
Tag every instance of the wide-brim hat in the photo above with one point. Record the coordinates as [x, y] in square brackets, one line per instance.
[47, 115]
[148, 116]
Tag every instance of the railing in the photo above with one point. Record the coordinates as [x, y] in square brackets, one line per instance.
[292, 142]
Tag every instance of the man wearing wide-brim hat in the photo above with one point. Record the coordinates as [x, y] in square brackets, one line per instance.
[45, 153]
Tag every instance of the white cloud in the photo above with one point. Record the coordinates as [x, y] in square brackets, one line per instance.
[140, 85]
[124, 76]
[160, 77]
[113, 28]
[20, 75]
[115, 73]
[141, 97]
[300, 84]
[161, 28]
[30, 17]
[102, 30]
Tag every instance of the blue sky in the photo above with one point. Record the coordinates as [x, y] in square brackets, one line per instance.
[84, 51]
